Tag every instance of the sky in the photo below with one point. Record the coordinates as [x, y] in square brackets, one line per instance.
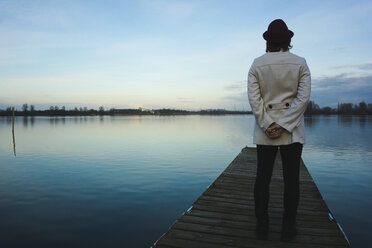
[174, 54]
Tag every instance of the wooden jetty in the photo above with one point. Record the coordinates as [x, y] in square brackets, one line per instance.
[223, 216]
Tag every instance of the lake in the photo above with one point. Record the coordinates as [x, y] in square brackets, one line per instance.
[121, 181]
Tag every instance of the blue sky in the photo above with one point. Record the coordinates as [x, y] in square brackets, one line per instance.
[174, 54]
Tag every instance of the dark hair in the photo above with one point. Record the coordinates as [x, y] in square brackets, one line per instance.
[277, 46]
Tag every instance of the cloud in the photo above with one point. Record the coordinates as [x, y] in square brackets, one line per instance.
[238, 98]
[366, 66]
[236, 101]
[28, 13]
[186, 99]
[236, 95]
[170, 10]
[339, 49]
[239, 86]
[328, 91]
[363, 67]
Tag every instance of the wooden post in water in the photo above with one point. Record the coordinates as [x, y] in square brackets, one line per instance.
[14, 145]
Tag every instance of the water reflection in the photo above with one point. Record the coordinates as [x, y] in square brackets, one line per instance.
[8, 120]
[56, 120]
[118, 168]
[362, 121]
[311, 122]
[28, 120]
[345, 120]
[25, 121]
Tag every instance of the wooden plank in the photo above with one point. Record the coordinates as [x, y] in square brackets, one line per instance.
[249, 202]
[275, 213]
[277, 198]
[223, 216]
[243, 194]
[217, 221]
[242, 233]
[322, 226]
[182, 237]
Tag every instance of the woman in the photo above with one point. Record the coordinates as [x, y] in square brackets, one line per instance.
[278, 89]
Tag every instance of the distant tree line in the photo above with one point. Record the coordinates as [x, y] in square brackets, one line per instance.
[342, 109]
[312, 109]
[29, 110]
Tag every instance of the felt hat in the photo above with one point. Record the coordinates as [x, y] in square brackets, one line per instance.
[277, 32]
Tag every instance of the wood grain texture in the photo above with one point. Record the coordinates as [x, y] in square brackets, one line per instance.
[223, 216]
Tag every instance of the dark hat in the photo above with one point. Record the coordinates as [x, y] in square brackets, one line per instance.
[277, 32]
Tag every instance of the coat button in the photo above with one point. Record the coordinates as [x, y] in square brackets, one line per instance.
[287, 104]
[270, 106]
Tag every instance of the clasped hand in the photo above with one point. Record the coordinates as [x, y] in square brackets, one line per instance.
[274, 131]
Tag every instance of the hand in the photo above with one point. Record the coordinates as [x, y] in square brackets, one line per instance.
[274, 131]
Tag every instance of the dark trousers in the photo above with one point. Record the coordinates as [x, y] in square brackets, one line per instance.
[291, 157]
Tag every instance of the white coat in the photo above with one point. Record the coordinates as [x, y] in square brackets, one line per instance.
[279, 85]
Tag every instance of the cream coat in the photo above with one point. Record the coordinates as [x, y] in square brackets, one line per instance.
[279, 86]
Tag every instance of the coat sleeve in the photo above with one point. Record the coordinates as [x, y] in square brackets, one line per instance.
[255, 100]
[292, 117]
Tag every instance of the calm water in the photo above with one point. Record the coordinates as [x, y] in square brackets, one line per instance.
[122, 181]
